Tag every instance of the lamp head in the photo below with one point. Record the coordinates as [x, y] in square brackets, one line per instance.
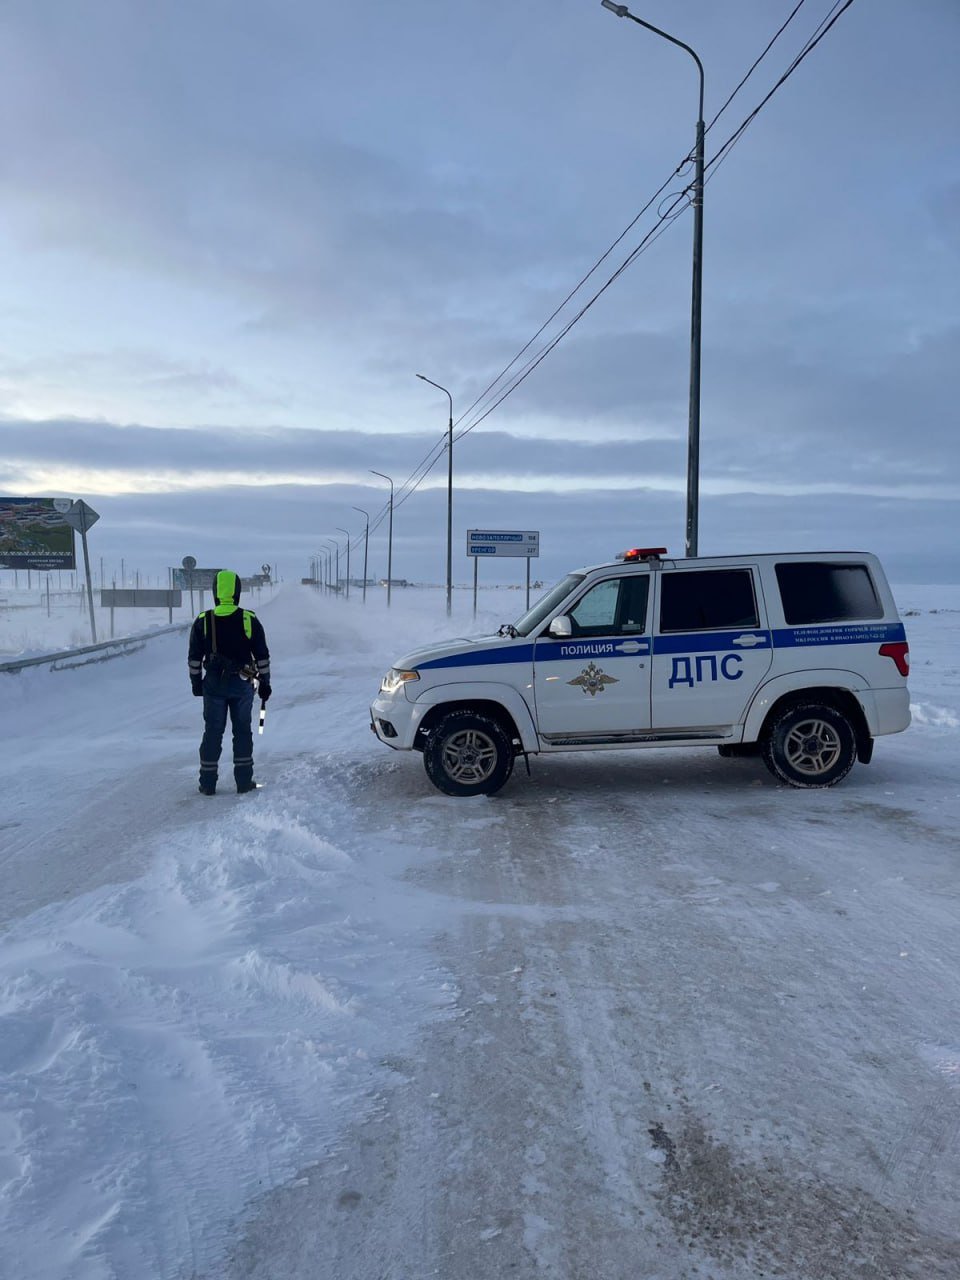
[620, 10]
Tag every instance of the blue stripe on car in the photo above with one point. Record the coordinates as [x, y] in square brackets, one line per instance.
[481, 658]
[711, 641]
[552, 650]
[560, 650]
[828, 633]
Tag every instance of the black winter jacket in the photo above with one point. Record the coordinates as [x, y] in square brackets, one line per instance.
[232, 642]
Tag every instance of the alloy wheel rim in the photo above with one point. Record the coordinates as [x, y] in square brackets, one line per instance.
[469, 756]
[812, 747]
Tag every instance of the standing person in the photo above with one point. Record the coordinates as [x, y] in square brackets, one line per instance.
[229, 642]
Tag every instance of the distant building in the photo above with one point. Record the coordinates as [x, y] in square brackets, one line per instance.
[394, 582]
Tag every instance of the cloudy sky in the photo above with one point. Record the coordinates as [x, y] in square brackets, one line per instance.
[231, 233]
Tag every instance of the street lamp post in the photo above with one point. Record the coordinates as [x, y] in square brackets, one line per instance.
[449, 491]
[332, 542]
[347, 532]
[389, 534]
[696, 306]
[366, 544]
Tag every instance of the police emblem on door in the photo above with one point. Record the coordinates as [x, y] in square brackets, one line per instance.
[591, 680]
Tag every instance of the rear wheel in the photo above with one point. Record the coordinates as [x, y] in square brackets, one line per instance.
[812, 745]
[468, 754]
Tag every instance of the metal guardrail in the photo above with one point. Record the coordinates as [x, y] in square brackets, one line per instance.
[62, 660]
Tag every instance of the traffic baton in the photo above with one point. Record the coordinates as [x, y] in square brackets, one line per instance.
[263, 716]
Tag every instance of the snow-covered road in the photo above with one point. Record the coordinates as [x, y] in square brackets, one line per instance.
[642, 1015]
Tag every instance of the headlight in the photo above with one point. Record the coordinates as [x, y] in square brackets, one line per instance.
[394, 678]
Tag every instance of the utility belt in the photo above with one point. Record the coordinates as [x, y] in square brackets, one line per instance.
[221, 668]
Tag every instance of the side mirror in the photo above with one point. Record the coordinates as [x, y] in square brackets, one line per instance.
[561, 627]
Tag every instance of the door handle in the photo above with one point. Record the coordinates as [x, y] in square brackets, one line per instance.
[750, 641]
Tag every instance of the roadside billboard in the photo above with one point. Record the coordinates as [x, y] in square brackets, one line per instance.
[194, 579]
[34, 534]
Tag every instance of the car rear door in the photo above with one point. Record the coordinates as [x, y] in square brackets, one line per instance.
[711, 648]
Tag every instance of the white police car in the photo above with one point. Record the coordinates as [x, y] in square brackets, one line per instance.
[799, 657]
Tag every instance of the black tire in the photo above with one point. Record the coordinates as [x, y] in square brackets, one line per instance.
[468, 754]
[810, 745]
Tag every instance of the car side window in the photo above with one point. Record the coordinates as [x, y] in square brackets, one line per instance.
[633, 604]
[707, 600]
[813, 592]
[617, 606]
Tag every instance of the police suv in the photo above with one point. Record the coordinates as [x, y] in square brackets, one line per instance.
[800, 658]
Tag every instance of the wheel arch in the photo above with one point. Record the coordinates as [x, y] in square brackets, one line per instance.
[836, 696]
[511, 712]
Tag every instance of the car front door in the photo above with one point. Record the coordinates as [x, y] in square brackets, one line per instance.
[594, 685]
[711, 649]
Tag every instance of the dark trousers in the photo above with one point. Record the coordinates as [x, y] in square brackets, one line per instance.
[220, 695]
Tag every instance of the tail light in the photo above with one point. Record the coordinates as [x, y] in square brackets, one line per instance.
[899, 651]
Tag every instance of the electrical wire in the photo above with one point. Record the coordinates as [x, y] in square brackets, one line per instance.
[603, 257]
[773, 41]
[675, 208]
[839, 7]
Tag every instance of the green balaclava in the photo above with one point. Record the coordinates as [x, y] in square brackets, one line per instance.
[226, 590]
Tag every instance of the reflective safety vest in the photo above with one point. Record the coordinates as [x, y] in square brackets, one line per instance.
[248, 616]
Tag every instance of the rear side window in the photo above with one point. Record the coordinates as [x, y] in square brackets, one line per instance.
[819, 592]
[707, 600]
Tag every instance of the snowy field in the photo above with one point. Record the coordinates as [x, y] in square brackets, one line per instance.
[640, 1016]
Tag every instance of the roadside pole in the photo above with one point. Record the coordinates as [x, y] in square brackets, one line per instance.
[82, 517]
[86, 570]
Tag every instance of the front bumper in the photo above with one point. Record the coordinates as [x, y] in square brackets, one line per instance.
[394, 720]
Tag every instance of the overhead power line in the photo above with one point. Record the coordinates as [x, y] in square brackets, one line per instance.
[679, 203]
[676, 206]
[629, 227]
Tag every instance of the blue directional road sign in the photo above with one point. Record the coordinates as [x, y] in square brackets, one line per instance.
[523, 543]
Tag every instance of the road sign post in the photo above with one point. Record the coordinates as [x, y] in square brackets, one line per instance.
[190, 563]
[514, 543]
[81, 517]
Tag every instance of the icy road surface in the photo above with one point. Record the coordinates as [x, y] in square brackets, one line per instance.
[646, 1016]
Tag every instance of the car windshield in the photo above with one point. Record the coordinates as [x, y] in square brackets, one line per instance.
[546, 604]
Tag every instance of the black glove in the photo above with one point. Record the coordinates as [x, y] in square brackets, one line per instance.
[196, 684]
[265, 691]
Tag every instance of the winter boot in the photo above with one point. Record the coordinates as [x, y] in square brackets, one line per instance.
[208, 776]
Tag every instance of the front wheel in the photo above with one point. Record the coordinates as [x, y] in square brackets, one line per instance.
[813, 745]
[467, 754]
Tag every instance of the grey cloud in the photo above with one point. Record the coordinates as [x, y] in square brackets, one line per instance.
[422, 200]
[764, 424]
[286, 526]
[267, 452]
